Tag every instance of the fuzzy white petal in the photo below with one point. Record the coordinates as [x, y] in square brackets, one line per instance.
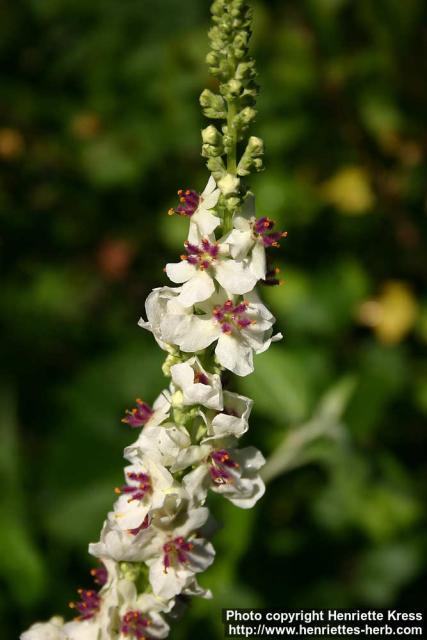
[240, 243]
[199, 287]
[206, 221]
[52, 630]
[235, 277]
[180, 272]
[82, 630]
[234, 355]
[196, 334]
[258, 262]
[208, 395]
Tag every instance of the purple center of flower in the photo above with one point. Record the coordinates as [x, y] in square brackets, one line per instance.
[188, 203]
[232, 316]
[135, 624]
[100, 575]
[140, 415]
[176, 551]
[262, 228]
[230, 412]
[140, 487]
[220, 465]
[201, 378]
[201, 256]
[89, 604]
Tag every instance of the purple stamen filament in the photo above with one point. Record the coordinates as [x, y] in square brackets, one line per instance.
[262, 228]
[88, 607]
[220, 464]
[100, 575]
[139, 416]
[176, 551]
[271, 278]
[232, 316]
[189, 201]
[135, 624]
[144, 525]
[140, 488]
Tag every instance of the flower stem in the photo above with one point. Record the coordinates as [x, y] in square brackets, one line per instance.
[232, 152]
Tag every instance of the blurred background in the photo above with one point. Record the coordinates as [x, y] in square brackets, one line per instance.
[99, 126]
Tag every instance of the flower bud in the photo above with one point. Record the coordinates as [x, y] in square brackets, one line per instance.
[241, 40]
[255, 146]
[243, 120]
[234, 87]
[231, 203]
[217, 7]
[212, 151]
[212, 59]
[171, 359]
[211, 136]
[245, 70]
[213, 104]
[229, 184]
[251, 159]
[216, 167]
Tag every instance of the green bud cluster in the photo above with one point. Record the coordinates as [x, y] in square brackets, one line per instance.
[234, 103]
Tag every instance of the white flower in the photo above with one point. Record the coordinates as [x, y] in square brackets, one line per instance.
[230, 472]
[176, 555]
[194, 589]
[144, 415]
[168, 545]
[129, 546]
[97, 610]
[171, 445]
[241, 328]
[198, 208]
[156, 306]
[52, 630]
[161, 444]
[147, 483]
[197, 386]
[251, 236]
[83, 630]
[232, 420]
[139, 614]
[121, 546]
[206, 261]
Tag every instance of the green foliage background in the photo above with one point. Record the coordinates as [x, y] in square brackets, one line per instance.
[100, 125]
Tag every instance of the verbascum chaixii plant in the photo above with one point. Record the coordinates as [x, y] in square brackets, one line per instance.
[154, 542]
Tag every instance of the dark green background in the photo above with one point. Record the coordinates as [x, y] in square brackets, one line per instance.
[100, 125]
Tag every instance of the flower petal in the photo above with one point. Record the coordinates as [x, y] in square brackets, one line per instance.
[235, 277]
[234, 355]
[180, 271]
[200, 287]
[196, 334]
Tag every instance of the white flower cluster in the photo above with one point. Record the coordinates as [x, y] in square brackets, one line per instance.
[154, 541]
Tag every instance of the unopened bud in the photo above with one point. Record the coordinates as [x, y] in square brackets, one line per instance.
[234, 87]
[211, 135]
[255, 146]
[213, 104]
[245, 70]
[216, 167]
[229, 184]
